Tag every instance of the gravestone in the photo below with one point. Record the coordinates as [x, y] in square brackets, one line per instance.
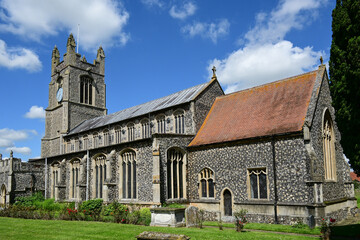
[191, 216]
[311, 221]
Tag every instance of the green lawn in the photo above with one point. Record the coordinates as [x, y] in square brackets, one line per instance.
[271, 227]
[15, 228]
[357, 195]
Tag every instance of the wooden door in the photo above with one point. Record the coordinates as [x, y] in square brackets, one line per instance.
[227, 203]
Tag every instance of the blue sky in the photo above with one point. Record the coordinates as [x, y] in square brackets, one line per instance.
[153, 48]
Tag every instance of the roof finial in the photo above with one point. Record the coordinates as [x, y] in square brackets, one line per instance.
[214, 70]
[321, 60]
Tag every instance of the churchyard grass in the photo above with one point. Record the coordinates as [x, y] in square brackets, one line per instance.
[270, 227]
[16, 228]
[357, 195]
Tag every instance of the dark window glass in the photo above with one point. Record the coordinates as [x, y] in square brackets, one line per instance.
[169, 179]
[175, 179]
[97, 181]
[181, 179]
[134, 179]
[129, 180]
[101, 181]
[203, 188]
[254, 186]
[211, 188]
[124, 179]
[262, 185]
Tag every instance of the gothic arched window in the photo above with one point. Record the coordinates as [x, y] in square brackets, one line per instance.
[86, 90]
[55, 172]
[175, 173]
[206, 178]
[329, 147]
[99, 174]
[128, 174]
[74, 177]
[258, 183]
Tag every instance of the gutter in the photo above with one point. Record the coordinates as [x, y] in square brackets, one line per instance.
[275, 185]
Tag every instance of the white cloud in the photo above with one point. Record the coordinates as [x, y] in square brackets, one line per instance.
[213, 31]
[255, 65]
[8, 137]
[266, 56]
[15, 58]
[21, 150]
[101, 21]
[35, 112]
[184, 11]
[153, 3]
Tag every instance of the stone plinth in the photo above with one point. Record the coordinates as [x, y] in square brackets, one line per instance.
[168, 217]
[160, 236]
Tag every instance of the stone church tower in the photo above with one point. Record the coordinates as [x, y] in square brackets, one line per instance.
[77, 92]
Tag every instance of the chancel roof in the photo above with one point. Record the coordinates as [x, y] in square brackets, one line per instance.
[174, 99]
[275, 108]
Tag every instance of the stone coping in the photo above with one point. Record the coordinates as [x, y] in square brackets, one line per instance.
[167, 209]
[160, 236]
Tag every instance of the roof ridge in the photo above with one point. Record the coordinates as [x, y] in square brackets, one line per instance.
[269, 83]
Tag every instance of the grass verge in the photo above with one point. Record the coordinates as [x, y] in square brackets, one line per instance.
[15, 228]
[271, 227]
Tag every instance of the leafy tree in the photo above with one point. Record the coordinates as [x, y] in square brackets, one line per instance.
[345, 76]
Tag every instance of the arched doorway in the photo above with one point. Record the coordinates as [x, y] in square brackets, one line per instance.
[3, 195]
[227, 203]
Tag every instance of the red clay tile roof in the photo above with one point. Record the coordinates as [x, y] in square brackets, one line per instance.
[275, 108]
[353, 177]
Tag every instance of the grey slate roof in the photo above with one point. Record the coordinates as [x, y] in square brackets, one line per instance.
[174, 99]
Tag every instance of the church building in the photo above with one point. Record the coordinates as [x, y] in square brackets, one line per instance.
[273, 149]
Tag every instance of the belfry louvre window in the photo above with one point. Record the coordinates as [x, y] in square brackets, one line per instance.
[161, 124]
[128, 172]
[206, 177]
[258, 183]
[179, 123]
[329, 148]
[175, 173]
[86, 90]
[100, 175]
[74, 178]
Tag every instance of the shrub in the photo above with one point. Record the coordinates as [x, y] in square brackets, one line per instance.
[92, 208]
[145, 216]
[29, 201]
[133, 217]
[240, 219]
[117, 210]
